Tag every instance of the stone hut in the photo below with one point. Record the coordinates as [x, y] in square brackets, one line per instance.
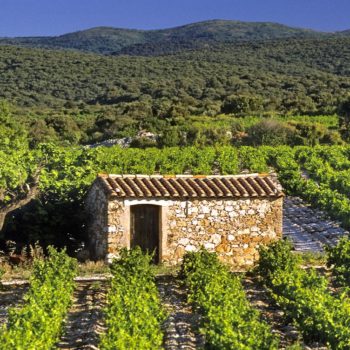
[231, 215]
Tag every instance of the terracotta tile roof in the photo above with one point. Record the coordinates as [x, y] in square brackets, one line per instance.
[184, 186]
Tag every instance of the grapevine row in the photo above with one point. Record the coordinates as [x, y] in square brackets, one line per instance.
[133, 315]
[38, 324]
[228, 320]
[305, 297]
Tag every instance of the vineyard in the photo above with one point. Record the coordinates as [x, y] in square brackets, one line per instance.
[131, 313]
[280, 304]
[319, 175]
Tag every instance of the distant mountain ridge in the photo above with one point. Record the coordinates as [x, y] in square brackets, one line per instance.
[108, 40]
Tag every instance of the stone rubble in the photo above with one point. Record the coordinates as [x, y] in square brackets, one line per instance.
[84, 323]
[181, 326]
[309, 229]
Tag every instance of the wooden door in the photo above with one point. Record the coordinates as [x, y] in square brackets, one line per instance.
[145, 228]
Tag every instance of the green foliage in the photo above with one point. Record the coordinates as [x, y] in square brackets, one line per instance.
[344, 117]
[1, 274]
[108, 40]
[284, 76]
[242, 104]
[277, 258]
[304, 297]
[339, 258]
[133, 313]
[228, 320]
[38, 324]
[270, 132]
[13, 136]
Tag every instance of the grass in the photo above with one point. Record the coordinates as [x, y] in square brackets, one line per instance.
[313, 258]
[93, 268]
[17, 272]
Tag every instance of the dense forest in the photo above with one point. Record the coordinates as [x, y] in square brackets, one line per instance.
[163, 86]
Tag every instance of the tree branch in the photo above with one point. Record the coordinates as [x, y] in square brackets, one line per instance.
[21, 199]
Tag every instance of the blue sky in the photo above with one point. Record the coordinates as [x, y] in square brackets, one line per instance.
[53, 17]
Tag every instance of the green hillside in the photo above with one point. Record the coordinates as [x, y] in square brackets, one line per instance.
[107, 40]
[294, 75]
[195, 89]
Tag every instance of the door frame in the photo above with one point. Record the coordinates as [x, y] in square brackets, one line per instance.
[134, 217]
[163, 205]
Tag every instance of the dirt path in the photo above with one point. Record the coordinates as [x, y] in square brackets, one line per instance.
[85, 319]
[10, 296]
[181, 327]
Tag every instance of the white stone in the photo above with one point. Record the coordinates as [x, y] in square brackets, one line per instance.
[230, 237]
[205, 210]
[194, 222]
[233, 214]
[215, 238]
[249, 262]
[251, 212]
[112, 229]
[255, 229]
[190, 248]
[209, 245]
[110, 257]
[184, 241]
[245, 246]
[229, 208]
[214, 212]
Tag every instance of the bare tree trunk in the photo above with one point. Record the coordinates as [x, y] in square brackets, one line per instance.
[2, 220]
[21, 200]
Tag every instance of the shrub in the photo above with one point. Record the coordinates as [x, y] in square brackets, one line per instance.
[270, 132]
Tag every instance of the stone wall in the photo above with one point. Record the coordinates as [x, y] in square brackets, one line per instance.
[232, 228]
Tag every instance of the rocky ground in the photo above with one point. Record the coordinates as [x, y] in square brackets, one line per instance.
[308, 228]
[84, 323]
[10, 296]
[181, 326]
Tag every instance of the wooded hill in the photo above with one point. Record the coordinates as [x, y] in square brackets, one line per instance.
[107, 40]
[289, 75]
[159, 80]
